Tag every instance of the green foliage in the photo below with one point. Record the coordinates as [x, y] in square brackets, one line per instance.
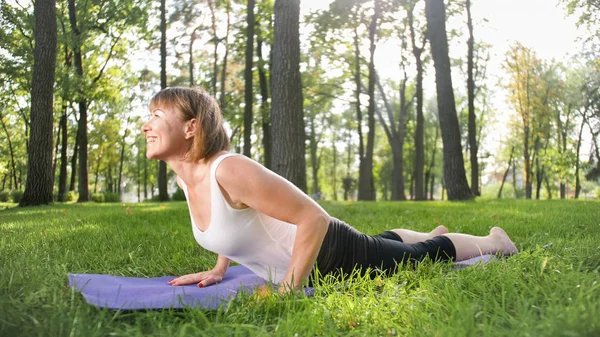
[71, 196]
[179, 195]
[106, 197]
[540, 292]
[16, 195]
[98, 197]
[5, 196]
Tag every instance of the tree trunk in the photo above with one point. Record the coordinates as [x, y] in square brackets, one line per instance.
[215, 40]
[12, 154]
[395, 138]
[286, 113]
[145, 178]
[472, 128]
[163, 194]
[454, 168]
[419, 130]
[191, 57]
[313, 144]
[38, 188]
[366, 188]
[526, 159]
[334, 170]
[82, 140]
[539, 174]
[222, 100]
[548, 186]
[248, 90]
[357, 83]
[97, 171]
[512, 151]
[122, 156]
[578, 161]
[429, 174]
[74, 164]
[431, 188]
[62, 179]
[514, 181]
[55, 155]
[264, 104]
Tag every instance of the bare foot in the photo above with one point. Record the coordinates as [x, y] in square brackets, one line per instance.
[508, 247]
[439, 230]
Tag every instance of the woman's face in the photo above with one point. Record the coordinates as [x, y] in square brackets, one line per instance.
[165, 135]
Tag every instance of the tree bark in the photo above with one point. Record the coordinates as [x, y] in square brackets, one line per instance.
[62, 179]
[215, 40]
[163, 193]
[472, 127]
[429, 173]
[512, 151]
[38, 188]
[222, 100]
[366, 186]
[578, 161]
[248, 90]
[122, 156]
[286, 113]
[82, 140]
[12, 154]
[419, 130]
[74, 164]
[264, 104]
[357, 83]
[454, 169]
[395, 138]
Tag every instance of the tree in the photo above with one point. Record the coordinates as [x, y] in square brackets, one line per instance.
[38, 189]
[420, 121]
[524, 68]
[454, 170]
[248, 78]
[286, 112]
[366, 188]
[264, 35]
[163, 194]
[472, 128]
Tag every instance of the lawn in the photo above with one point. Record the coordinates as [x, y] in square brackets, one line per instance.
[552, 288]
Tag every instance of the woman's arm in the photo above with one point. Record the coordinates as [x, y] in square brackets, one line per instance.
[249, 183]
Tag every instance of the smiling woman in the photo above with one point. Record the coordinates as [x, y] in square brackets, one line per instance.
[248, 214]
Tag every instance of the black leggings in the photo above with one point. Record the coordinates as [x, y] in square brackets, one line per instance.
[345, 249]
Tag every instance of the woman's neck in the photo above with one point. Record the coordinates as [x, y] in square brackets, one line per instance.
[192, 173]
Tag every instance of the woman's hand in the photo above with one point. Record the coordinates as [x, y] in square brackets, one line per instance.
[203, 279]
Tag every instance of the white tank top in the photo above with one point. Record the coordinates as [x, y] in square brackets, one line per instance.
[261, 243]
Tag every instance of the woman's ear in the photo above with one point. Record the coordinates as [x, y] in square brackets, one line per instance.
[190, 128]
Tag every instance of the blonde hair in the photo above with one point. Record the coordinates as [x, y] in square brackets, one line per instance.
[211, 136]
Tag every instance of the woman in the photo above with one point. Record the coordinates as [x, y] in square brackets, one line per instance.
[248, 214]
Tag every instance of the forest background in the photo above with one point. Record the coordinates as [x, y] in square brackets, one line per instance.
[339, 98]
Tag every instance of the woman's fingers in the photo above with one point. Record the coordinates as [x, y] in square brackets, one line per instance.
[186, 279]
[202, 279]
[212, 279]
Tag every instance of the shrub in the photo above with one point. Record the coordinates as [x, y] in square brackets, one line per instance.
[71, 196]
[178, 195]
[106, 197]
[5, 196]
[98, 197]
[112, 197]
[17, 195]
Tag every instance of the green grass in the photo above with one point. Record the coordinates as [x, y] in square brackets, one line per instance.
[553, 291]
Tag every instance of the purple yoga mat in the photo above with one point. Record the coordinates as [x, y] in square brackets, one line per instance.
[133, 293]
